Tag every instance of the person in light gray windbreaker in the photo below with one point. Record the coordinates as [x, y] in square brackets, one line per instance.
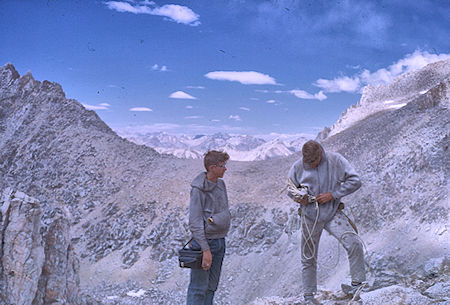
[328, 177]
[209, 222]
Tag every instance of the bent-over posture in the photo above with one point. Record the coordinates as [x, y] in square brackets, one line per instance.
[329, 177]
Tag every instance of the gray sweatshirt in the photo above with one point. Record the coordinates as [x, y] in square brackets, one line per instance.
[208, 199]
[334, 174]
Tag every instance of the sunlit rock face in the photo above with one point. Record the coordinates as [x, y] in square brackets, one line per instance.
[38, 264]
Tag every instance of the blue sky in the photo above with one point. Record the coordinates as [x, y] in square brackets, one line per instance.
[242, 67]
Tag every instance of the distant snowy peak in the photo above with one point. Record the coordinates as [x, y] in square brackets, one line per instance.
[395, 95]
[239, 147]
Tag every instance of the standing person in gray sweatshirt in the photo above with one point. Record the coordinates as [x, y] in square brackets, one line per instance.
[328, 177]
[209, 222]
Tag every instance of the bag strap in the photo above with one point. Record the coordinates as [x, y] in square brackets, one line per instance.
[192, 238]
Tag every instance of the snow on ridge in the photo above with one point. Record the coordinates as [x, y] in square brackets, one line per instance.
[403, 89]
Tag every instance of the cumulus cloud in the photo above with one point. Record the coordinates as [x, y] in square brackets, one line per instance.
[339, 84]
[244, 77]
[141, 109]
[182, 95]
[235, 117]
[176, 13]
[411, 62]
[308, 96]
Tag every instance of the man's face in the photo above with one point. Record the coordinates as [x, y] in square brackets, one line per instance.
[316, 162]
[219, 169]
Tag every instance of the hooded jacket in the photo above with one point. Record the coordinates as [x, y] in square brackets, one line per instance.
[208, 199]
[334, 174]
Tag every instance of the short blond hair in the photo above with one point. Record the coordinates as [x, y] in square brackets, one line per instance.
[214, 157]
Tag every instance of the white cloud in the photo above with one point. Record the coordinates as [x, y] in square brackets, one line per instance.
[271, 101]
[411, 62]
[235, 117]
[177, 13]
[186, 129]
[182, 95]
[141, 109]
[193, 117]
[142, 129]
[156, 67]
[244, 77]
[254, 99]
[244, 108]
[339, 84]
[262, 91]
[102, 106]
[195, 87]
[189, 107]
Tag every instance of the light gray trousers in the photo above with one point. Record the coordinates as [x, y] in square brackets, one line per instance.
[337, 227]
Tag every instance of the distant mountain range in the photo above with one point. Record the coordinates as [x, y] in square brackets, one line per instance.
[239, 147]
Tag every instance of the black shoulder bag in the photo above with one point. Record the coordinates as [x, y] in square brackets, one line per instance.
[190, 258]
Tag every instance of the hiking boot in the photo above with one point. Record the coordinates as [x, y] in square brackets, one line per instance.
[354, 290]
[310, 300]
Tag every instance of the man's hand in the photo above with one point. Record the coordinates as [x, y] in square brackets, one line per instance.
[324, 198]
[302, 201]
[207, 260]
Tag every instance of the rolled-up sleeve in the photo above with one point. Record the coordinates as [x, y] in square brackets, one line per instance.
[196, 222]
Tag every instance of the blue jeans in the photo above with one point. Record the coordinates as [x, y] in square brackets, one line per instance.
[203, 283]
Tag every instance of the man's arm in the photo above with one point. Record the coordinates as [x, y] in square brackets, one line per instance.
[196, 222]
[292, 176]
[351, 181]
[197, 227]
